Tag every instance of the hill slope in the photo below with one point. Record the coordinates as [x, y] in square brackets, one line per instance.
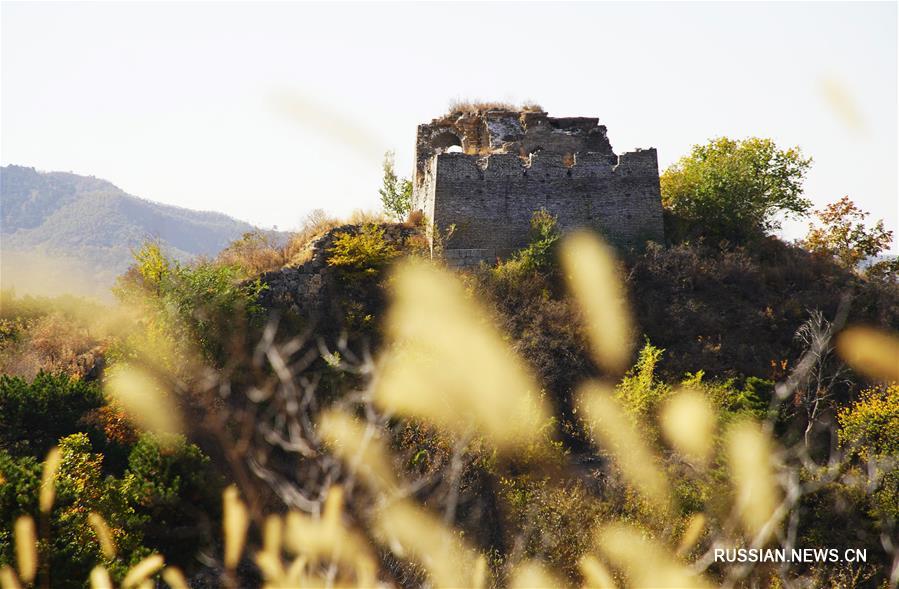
[81, 230]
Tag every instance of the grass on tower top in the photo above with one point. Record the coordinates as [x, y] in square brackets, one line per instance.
[469, 106]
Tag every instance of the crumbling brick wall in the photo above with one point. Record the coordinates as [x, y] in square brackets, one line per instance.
[510, 164]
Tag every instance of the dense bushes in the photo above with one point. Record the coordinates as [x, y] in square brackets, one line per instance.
[156, 495]
[869, 430]
[49, 334]
[735, 312]
[363, 253]
[33, 416]
[731, 313]
[163, 501]
[176, 492]
[204, 305]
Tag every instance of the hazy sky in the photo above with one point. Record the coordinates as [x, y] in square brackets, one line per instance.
[266, 111]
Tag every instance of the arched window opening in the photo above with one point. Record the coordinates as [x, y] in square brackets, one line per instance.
[445, 142]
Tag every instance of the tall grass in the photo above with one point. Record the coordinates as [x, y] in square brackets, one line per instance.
[357, 519]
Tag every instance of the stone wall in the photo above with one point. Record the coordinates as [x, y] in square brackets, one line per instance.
[513, 164]
[490, 200]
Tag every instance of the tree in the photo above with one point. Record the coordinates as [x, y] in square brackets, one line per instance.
[843, 234]
[396, 192]
[736, 189]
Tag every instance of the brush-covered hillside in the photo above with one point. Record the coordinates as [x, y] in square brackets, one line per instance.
[86, 229]
[347, 409]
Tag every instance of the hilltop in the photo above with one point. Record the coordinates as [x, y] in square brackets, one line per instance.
[82, 229]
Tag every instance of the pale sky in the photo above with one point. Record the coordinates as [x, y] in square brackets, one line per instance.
[267, 111]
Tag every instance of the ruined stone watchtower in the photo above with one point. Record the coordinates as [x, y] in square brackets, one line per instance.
[485, 172]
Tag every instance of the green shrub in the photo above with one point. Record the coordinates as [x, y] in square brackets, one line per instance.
[171, 486]
[21, 480]
[161, 503]
[205, 304]
[730, 399]
[33, 416]
[70, 545]
[539, 254]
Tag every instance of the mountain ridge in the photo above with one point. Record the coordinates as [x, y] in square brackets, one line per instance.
[92, 226]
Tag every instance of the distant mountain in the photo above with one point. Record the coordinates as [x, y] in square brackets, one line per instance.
[76, 233]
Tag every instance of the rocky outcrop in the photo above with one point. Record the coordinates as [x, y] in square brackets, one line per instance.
[307, 289]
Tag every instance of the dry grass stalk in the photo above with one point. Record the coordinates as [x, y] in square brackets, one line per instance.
[100, 579]
[26, 548]
[361, 448]
[646, 563]
[529, 575]
[593, 278]
[449, 348]
[318, 541]
[692, 534]
[48, 480]
[617, 434]
[235, 521]
[413, 533]
[749, 452]
[8, 578]
[175, 578]
[142, 571]
[596, 575]
[870, 351]
[104, 534]
[688, 423]
[144, 399]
